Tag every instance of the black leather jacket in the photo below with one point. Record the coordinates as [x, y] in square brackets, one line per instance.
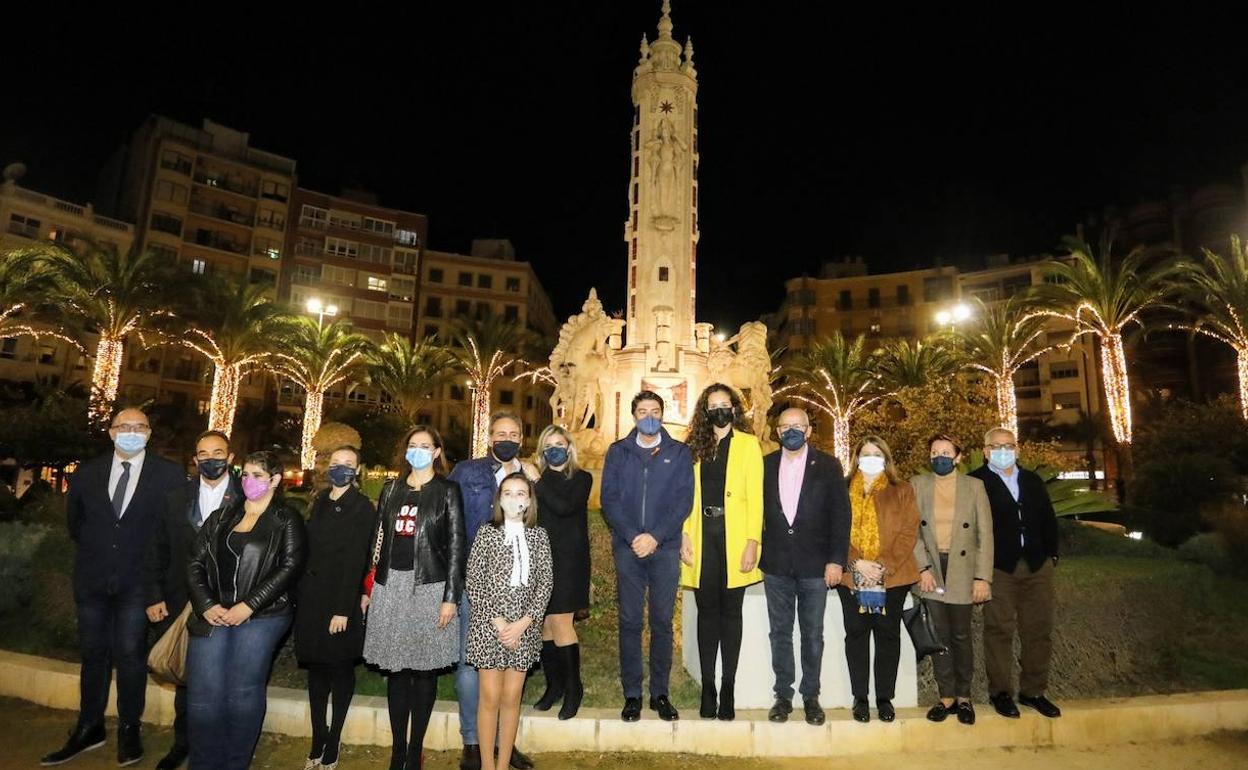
[267, 568]
[441, 542]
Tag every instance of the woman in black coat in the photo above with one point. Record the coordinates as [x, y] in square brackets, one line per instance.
[329, 625]
[563, 510]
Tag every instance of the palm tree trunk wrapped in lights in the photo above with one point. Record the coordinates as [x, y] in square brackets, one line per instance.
[1215, 292]
[1117, 386]
[487, 349]
[105, 378]
[223, 402]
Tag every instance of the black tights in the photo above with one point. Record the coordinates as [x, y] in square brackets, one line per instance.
[410, 695]
[325, 679]
[719, 609]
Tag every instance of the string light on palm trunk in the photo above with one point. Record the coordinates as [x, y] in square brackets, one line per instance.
[314, 403]
[105, 379]
[1117, 386]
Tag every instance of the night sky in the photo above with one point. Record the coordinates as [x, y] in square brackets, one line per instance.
[825, 131]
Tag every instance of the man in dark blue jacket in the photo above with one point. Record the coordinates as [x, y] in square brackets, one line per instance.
[114, 505]
[647, 491]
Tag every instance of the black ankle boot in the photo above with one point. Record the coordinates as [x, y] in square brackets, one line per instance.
[710, 703]
[552, 665]
[573, 689]
[727, 706]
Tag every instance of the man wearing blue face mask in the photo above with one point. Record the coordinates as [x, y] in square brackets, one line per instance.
[647, 491]
[113, 507]
[478, 480]
[1024, 534]
[187, 506]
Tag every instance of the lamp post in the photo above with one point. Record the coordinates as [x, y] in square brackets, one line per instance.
[953, 316]
[321, 310]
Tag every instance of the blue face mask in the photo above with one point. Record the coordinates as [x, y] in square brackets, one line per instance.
[130, 443]
[649, 426]
[1002, 459]
[341, 475]
[793, 439]
[419, 457]
[555, 456]
[943, 466]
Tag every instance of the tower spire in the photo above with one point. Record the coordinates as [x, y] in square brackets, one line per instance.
[665, 21]
[665, 52]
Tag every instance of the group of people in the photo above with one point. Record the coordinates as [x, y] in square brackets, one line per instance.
[481, 572]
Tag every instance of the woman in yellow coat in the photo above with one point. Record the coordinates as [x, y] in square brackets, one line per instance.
[720, 546]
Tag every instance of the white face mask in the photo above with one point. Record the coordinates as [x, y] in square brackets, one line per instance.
[871, 465]
[514, 508]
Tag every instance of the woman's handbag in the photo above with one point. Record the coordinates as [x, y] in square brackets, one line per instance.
[167, 660]
[922, 630]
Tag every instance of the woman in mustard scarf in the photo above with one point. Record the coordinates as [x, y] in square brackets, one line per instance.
[883, 531]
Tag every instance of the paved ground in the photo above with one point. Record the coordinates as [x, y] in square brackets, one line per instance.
[28, 731]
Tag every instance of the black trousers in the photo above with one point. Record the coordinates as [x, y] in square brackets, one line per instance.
[112, 634]
[860, 628]
[719, 608]
[953, 669]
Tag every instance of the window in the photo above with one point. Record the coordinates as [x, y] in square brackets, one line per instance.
[506, 397]
[457, 393]
[168, 191]
[513, 284]
[465, 279]
[402, 288]
[345, 219]
[265, 277]
[378, 226]
[406, 260]
[198, 266]
[8, 348]
[375, 283]
[435, 275]
[274, 220]
[175, 161]
[309, 247]
[46, 354]
[846, 301]
[1063, 370]
[663, 274]
[937, 289]
[485, 281]
[433, 307]
[873, 297]
[307, 274]
[313, 216]
[431, 330]
[340, 275]
[462, 308]
[166, 223]
[903, 295]
[1066, 401]
[267, 247]
[275, 191]
[482, 311]
[379, 254]
[163, 253]
[372, 310]
[399, 315]
[803, 297]
[342, 248]
[511, 312]
[407, 237]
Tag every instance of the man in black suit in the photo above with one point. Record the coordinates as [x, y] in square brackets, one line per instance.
[187, 506]
[805, 544]
[113, 506]
[1024, 537]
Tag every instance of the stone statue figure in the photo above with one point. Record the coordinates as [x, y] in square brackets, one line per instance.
[583, 365]
[748, 369]
[664, 154]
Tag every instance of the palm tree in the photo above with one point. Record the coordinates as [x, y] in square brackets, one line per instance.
[409, 372]
[485, 349]
[1007, 336]
[1105, 296]
[317, 357]
[904, 363]
[113, 294]
[233, 325]
[24, 281]
[1216, 292]
[835, 376]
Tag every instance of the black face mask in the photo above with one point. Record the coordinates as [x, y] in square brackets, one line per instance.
[721, 417]
[506, 450]
[212, 468]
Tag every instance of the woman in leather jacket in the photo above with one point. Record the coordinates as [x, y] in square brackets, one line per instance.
[412, 592]
[245, 561]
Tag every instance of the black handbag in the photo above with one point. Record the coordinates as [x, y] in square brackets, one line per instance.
[922, 631]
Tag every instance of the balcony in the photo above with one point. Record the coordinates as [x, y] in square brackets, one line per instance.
[215, 240]
[181, 166]
[223, 213]
[225, 183]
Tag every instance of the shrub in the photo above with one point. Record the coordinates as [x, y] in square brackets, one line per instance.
[1209, 549]
[18, 543]
[1169, 492]
[52, 606]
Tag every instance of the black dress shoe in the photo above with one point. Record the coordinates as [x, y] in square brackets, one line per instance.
[520, 760]
[966, 712]
[174, 759]
[470, 759]
[129, 745]
[1042, 704]
[780, 710]
[862, 712]
[885, 707]
[709, 706]
[80, 739]
[667, 712]
[938, 712]
[814, 712]
[1004, 705]
[632, 710]
[727, 705]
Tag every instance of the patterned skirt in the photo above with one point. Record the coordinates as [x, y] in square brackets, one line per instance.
[402, 627]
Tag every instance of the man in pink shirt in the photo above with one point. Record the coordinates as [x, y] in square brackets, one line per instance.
[805, 544]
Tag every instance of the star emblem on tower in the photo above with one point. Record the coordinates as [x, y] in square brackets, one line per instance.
[666, 107]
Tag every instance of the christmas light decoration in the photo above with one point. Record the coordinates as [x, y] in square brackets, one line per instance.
[105, 378]
[825, 396]
[316, 381]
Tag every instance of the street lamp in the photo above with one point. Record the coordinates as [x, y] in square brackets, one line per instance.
[953, 316]
[321, 310]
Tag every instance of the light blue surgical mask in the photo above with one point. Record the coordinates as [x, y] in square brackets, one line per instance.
[649, 426]
[872, 465]
[130, 443]
[418, 457]
[1002, 459]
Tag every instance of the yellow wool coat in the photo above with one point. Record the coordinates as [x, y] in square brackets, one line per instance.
[743, 512]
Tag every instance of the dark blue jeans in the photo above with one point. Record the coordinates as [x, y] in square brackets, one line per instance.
[112, 633]
[659, 573]
[807, 598]
[226, 677]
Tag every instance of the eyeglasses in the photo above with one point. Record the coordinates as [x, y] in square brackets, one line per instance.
[1002, 446]
[132, 427]
[791, 426]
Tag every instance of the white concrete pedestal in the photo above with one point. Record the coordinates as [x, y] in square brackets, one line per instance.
[755, 679]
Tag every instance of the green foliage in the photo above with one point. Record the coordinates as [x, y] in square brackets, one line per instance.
[52, 607]
[18, 543]
[50, 429]
[380, 432]
[1209, 549]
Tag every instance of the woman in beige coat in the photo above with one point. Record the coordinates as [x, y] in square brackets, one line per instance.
[954, 554]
